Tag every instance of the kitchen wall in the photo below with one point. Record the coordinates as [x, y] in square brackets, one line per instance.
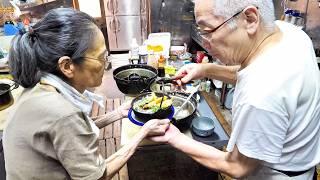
[175, 17]
[91, 7]
[311, 9]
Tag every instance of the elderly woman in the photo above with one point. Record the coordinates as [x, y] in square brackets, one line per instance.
[49, 134]
[276, 103]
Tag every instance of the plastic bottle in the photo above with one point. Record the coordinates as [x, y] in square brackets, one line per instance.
[208, 86]
[202, 85]
[134, 50]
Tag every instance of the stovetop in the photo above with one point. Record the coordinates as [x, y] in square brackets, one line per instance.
[219, 138]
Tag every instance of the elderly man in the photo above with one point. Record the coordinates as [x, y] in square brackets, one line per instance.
[276, 109]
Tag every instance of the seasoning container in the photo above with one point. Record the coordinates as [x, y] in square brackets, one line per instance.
[143, 55]
[152, 60]
[161, 64]
[208, 86]
[202, 85]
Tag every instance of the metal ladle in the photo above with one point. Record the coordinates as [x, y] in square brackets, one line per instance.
[187, 100]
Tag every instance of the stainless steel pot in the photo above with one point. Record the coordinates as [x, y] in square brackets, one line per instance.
[184, 118]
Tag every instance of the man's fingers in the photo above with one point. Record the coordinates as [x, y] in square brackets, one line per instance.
[164, 122]
[186, 79]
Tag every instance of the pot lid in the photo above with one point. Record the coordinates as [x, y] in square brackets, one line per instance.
[135, 72]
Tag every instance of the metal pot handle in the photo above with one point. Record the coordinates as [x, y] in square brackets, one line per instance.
[14, 86]
[146, 89]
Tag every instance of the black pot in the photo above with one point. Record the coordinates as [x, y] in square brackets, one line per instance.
[6, 98]
[183, 123]
[134, 79]
[160, 114]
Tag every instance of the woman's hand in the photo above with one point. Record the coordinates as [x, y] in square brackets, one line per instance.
[189, 72]
[124, 108]
[156, 127]
[171, 133]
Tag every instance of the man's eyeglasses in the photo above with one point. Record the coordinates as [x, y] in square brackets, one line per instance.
[205, 33]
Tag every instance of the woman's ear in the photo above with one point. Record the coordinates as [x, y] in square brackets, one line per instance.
[66, 66]
[252, 19]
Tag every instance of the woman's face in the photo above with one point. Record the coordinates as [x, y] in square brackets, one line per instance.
[89, 74]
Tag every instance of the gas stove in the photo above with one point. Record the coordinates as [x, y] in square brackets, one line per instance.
[219, 138]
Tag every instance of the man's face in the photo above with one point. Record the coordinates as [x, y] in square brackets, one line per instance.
[222, 43]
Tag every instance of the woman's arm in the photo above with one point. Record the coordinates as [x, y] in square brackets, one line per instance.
[106, 119]
[116, 161]
[119, 113]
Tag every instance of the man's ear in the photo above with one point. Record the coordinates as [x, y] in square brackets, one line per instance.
[66, 66]
[252, 19]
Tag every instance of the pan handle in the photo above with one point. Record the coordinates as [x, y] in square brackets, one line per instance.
[14, 86]
[197, 112]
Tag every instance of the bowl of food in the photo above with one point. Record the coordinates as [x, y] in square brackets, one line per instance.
[147, 106]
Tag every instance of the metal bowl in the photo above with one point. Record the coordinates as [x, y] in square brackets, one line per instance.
[203, 126]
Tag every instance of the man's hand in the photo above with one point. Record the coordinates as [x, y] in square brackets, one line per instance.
[169, 135]
[156, 127]
[190, 72]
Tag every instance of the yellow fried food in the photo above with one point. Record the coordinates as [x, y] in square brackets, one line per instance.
[155, 102]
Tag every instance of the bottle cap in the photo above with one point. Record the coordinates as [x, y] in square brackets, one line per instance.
[161, 59]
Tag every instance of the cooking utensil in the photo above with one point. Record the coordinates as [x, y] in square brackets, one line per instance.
[166, 80]
[186, 101]
[134, 78]
[163, 93]
[183, 121]
[6, 98]
[160, 114]
[202, 126]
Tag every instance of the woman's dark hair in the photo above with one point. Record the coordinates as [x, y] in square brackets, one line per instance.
[61, 32]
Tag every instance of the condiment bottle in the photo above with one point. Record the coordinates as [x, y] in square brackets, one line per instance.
[208, 85]
[152, 60]
[161, 64]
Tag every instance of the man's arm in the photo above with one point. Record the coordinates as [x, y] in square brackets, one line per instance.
[232, 163]
[227, 74]
[223, 73]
